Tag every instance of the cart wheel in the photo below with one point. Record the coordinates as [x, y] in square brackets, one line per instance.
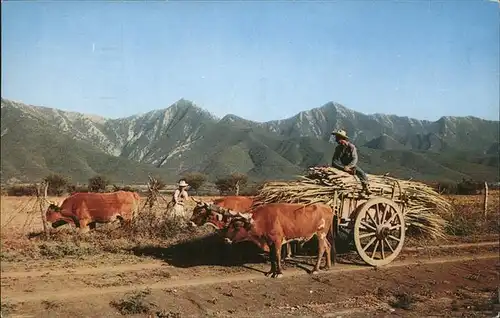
[379, 231]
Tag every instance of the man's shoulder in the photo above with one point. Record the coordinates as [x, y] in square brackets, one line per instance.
[351, 145]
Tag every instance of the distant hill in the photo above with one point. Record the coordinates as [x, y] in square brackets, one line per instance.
[36, 141]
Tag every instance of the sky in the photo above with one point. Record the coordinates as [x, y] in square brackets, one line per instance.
[255, 59]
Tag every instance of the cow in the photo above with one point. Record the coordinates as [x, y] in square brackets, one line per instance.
[219, 213]
[276, 223]
[85, 209]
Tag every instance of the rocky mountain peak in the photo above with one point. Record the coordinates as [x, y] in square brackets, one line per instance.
[185, 136]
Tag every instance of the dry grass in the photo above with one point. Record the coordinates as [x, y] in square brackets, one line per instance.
[134, 303]
[469, 218]
[21, 228]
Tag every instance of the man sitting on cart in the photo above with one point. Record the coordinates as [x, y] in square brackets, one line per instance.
[345, 158]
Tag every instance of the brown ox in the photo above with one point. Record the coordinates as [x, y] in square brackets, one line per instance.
[276, 223]
[220, 212]
[211, 213]
[84, 209]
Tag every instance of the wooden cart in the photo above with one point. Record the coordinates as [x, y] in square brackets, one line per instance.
[375, 223]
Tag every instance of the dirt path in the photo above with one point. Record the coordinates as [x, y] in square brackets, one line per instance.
[449, 288]
[186, 282]
[60, 292]
[453, 246]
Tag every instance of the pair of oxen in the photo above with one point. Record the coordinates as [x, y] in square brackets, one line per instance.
[239, 218]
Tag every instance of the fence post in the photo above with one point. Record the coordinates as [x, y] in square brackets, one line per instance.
[41, 202]
[485, 200]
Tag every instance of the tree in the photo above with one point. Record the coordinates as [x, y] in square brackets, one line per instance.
[73, 188]
[239, 180]
[98, 184]
[232, 183]
[223, 184]
[469, 187]
[195, 180]
[57, 184]
[124, 188]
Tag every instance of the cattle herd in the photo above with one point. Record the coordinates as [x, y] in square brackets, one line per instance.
[236, 218]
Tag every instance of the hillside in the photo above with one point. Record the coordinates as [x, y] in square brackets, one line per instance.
[184, 137]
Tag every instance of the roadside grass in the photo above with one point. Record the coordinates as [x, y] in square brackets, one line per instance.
[469, 217]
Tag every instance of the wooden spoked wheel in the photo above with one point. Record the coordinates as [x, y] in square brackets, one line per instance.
[379, 231]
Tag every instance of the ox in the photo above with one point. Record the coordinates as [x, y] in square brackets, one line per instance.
[219, 213]
[85, 209]
[213, 213]
[276, 223]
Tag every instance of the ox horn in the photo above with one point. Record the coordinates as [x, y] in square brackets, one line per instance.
[218, 215]
[229, 212]
[245, 215]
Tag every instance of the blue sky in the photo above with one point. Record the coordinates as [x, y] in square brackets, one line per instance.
[259, 60]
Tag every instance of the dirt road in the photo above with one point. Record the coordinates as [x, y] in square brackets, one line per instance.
[434, 281]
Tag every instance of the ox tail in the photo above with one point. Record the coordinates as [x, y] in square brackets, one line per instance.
[332, 235]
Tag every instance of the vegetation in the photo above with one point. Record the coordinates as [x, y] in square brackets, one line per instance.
[195, 180]
[134, 303]
[98, 184]
[124, 188]
[57, 184]
[231, 184]
[72, 188]
[470, 218]
[464, 187]
[22, 190]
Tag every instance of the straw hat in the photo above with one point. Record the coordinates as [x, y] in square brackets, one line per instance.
[340, 133]
[183, 183]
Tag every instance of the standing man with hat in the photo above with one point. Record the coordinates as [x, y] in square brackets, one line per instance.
[345, 158]
[179, 197]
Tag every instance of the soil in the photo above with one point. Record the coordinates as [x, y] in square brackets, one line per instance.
[455, 281]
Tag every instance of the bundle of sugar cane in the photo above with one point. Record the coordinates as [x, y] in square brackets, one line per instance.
[423, 206]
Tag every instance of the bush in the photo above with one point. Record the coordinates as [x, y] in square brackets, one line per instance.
[152, 225]
[251, 189]
[231, 184]
[469, 187]
[134, 303]
[124, 188]
[72, 188]
[464, 187]
[57, 184]
[22, 190]
[98, 184]
[195, 180]
[446, 188]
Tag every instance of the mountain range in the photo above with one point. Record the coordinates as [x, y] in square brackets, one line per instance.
[37, 141]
